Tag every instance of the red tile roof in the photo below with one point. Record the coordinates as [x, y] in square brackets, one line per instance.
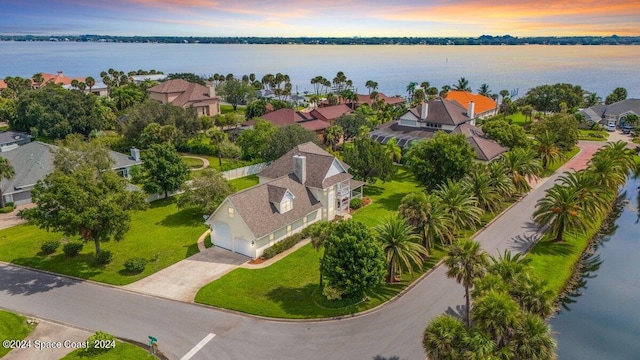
[482, 103]
[314, 125]
[283, 117]
[330, 113]
[59, 78]
[366, 99]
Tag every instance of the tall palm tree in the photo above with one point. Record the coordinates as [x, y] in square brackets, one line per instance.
[444, 91]
[561, 210]
[393, 150]
[522, 167]
[426, 213]
[591, 197]
[319, 233]
[533, 295]
[509, 265]
[479, 183]
[607, 172]
[411, 88]
[618, 150]
[498, 315]
[401, 246]
[484, 90]
[533, 340]
[6, 172]
[371, 86]
[462, 85]
[504, 93]
[460, 204]
[444, 338]
[425, 85]
[500, 180]
[91, 82]
[547, 148]
[478, 346]
[466, 262]
[332, 135]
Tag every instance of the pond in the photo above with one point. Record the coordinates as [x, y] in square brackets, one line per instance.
[600, 319]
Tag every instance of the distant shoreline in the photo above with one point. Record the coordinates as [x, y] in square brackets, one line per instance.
[477, 41]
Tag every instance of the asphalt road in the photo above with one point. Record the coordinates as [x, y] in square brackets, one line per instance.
[392, 332]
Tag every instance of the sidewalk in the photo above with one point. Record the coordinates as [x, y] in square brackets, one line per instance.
[48, 331]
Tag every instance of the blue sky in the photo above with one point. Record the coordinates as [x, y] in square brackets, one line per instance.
[320, 17]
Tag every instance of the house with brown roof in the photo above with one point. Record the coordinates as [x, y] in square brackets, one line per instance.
[439, 114]
[330, 113]
[285, 116]
[305, 185]
[483, 106]
[180, 92]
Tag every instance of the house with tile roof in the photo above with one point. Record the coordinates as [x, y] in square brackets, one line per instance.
[180, 92]
[439, 114]
[617, 112]
[330, 113]
[305, 185]
[483, 106]
[285, 116]
[33, 161]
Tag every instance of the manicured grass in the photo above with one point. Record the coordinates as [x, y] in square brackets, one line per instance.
[193, 163]
[386, 197]
[122, 350]
[593, 135]
[289, 289]
[13, 327]
[243, 182]
[568, 155]
[226, 108]
[214, 162]
[517, 119]
[162, 234]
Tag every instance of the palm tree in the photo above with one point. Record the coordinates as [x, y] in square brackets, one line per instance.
[432, 92]
[500, 180]
[91, 82]
[561, 210]
[425, 85]
[618, 150]
[484, 90]
[6, 172]
[393, 150]
[533, 339]
[332, 135]
[466, 262]
[411, 88]
[546, 147]
[319, 233]
[462, 85]
[592, 99]
[371, 85]
[401, 246]
[521, 166]
[608, 173]
[38, 79]
[460, 204]
[443, 338]
[591, 198]
[504, 93]
[509, 265]
[426, 213]
[533, 295]
[478, 346]
[498, 315]
[479, 183]
[444, 91]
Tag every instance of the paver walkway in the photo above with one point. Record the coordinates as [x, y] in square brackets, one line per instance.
[205, 162]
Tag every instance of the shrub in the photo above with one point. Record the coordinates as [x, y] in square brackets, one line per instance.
[104, 257]
[72, 248]
[49, 247]
[332, 293]
[282, 245]
[104, 341]
[356, 204]
[7, 209]
[135, 265]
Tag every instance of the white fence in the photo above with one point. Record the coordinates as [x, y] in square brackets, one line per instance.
[244, 171]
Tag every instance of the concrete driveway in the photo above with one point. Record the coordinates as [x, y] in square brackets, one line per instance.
[182, 280]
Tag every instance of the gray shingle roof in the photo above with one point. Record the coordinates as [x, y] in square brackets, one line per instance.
[33, 161]
[10, 137]
[442, 111]
[318, 165]
[599, 111]
[255, 206]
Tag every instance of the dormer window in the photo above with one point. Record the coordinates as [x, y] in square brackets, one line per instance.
[286, 204]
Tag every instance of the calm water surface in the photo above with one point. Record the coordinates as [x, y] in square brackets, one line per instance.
[596, 68]
[603, 320]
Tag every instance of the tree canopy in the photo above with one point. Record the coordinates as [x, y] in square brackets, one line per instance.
[205, 192]
[444, 157]
[235, 92]
[563, 126]
[509, 135]
[142, 115]
[163, 170]
[368, 160]
[255, 142]
[285, 138]
[548, 98]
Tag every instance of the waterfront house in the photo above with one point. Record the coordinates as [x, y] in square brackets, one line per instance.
[439, 114]
[33, 161]
[182, 93]
[616, 112]
[305, 185]
[483, 106]
[286, 116]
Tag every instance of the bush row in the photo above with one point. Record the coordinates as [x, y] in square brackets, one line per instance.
[282, 245]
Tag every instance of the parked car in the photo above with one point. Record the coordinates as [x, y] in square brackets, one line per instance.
[611, 126]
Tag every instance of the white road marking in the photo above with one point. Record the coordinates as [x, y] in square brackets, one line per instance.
[198, 346]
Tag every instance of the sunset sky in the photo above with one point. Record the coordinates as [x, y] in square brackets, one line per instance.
[424, 18]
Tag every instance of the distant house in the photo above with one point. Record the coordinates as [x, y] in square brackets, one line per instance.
[286, 116]
[483, 106]
[139, 79]
[182, 93]
[305, 185]
[33, 161]
[10, 140]
[617, 112]
[57, 78]
[389, 100]
[422, 122]
[330, 113]
[3, 85]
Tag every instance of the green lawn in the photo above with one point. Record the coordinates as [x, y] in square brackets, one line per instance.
[385, 197]
[289, 289]
[226, 108]
[162, 234]
[594, 135]
[243, 182]
[214, 162]
[122, 350]
[193, 163]
[13, 327]
[517, 119]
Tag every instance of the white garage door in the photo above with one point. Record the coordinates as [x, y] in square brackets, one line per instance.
[243, 247]
[222, 235]
[22, 198]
